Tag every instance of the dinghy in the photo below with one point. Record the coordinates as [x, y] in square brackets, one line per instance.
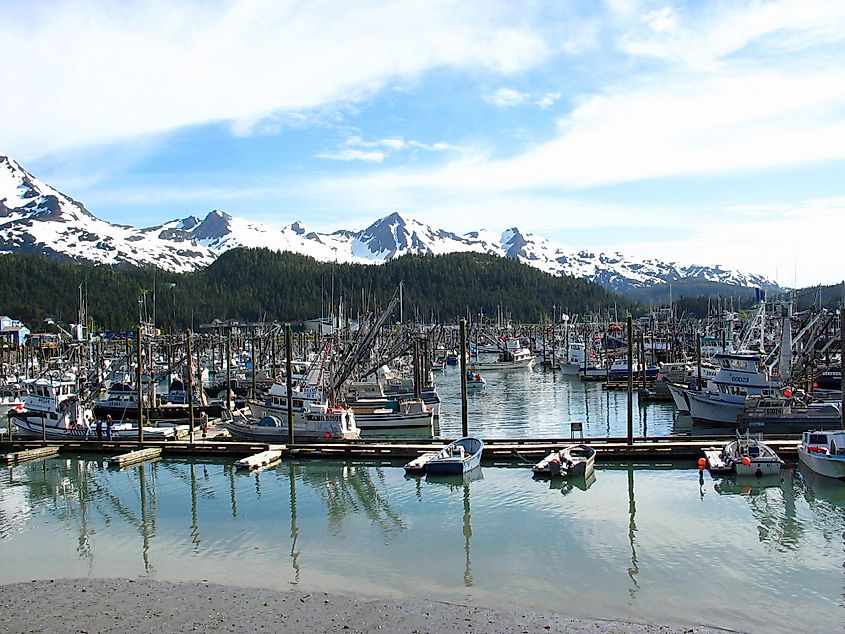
[572, 460]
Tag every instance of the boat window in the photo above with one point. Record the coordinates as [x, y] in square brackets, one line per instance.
[818, 439]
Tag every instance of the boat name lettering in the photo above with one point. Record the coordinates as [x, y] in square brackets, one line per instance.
[739, 379]
[335, 417]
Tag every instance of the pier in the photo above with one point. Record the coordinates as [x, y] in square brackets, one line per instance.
[497, 451]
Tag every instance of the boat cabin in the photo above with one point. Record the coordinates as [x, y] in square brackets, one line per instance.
[828, 442]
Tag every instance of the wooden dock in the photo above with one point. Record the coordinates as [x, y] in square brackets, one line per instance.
[496, 450]
[261, 460]
[135, 457]
[26, 455]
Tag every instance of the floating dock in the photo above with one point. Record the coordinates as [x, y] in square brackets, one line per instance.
[260, 460]
[26, 455]
[135, 457]
[496, 450]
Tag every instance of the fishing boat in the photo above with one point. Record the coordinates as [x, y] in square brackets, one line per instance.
[824, 452]
[788, 412]
[572, 460]
[513, 357]
[746, 455]
[457, 457]
[392, 414]
[740, 374]
[313, 417]
[316, 422]
[52, 408]
[619, 370]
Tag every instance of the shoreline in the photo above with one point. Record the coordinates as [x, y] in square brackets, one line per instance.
[148, 605]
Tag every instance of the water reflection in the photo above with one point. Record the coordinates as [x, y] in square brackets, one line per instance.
[542, 403]
[462, 482]
[634, 534]
[351, 491]
[634, 570]
[772, 503]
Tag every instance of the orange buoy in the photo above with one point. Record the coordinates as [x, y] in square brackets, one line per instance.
[702, 462]
[746, 460]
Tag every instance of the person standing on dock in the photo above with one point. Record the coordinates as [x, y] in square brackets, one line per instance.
[109, 424]
[99, 428]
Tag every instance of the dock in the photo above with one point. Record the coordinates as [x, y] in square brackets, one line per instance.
[261, 459]
[497, 451]
[26, 455]
[135, 457]
[420, 463]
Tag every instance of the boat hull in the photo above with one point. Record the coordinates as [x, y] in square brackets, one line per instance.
[28, 428]
[712, 410]
[826, 465]
[448, 462]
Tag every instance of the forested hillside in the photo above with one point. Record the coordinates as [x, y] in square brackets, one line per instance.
[257, 284]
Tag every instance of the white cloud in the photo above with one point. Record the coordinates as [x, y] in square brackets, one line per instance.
[663, 20]
[91, 73]
[548, 99]
[376, 151]
[507, 97]
[354, 155]
[706, 39]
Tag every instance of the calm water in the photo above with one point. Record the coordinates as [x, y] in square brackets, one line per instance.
[541, 403]
[643, 543]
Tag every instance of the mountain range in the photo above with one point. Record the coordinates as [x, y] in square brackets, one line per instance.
[37, 218]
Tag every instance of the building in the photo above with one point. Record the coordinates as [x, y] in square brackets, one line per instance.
[13, 331]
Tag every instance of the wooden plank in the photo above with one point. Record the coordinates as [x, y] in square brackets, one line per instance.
[135, 457]
[26, 455]
[420, 463]
[259, 460]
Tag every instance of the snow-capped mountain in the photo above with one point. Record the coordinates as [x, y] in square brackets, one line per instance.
[36, 218]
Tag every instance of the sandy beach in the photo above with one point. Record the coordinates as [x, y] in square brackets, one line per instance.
[144, 605]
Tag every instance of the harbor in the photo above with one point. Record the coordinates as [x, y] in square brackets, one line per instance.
[254, 471]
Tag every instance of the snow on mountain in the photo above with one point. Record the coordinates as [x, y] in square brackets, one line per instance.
[36, 218]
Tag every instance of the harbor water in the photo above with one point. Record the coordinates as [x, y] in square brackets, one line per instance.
[541, 403]
[643, 543]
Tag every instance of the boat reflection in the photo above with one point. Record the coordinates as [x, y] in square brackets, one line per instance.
[567, 485]
[745, 485]
[772, 503]
[462, 482]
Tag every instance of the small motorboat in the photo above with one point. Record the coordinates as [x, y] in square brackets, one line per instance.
[475, 381]
[571, 461]
[824, 452]
[748, 455]
[457, 457]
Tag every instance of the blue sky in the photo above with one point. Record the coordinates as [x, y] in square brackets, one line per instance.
[699, 132]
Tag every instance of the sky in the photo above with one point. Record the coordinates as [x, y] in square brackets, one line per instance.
[697, 132]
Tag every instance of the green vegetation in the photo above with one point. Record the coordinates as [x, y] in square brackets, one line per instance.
[257, 284]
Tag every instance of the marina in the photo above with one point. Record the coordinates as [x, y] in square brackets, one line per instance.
[359, 448]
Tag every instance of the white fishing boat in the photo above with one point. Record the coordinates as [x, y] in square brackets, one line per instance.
[457, 457]
[572, 460]
[52, 408]
[513, 357]
[393, 414]
[313, 417]
[824, 452]
[574, 361]
[748, 455]
[740, 375]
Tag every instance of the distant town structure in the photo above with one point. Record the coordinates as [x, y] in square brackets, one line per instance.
[13, 331]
